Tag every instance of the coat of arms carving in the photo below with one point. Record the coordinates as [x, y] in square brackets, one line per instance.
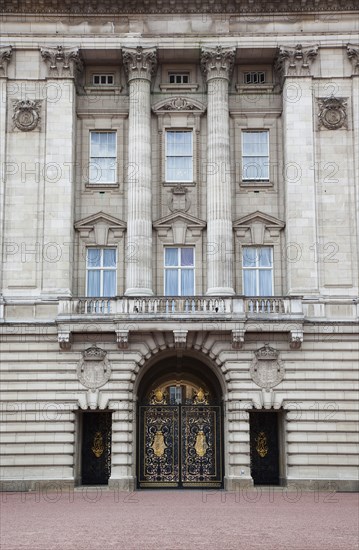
[266, 369]
[26, 114]
[94, 369]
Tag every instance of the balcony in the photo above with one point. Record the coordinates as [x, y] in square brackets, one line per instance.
[190, 307]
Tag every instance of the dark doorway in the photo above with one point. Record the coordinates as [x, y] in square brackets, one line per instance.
[264, 448]
[96, 448]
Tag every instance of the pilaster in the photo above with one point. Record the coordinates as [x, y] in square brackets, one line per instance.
[63, 66]
[294, 70]
[140, 64]
[217, 65]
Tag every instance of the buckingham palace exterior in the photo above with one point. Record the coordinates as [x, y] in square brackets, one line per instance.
[179, 215]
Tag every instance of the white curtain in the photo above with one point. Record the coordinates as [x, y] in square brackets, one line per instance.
[255, 156]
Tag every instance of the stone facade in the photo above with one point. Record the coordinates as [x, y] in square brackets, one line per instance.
[291, 76]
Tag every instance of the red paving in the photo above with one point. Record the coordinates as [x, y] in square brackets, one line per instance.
[179, 520]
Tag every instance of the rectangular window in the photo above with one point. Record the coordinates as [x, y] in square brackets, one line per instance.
[257, 271]
[175, 394]
[101, 272]
[178, 78]
[179, 156]
[102, 79]
[255, 156]
[103, 157]
[254, 77]
[179, 271]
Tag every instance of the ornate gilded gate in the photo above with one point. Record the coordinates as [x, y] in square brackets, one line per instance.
[180, 445]
[96, 448]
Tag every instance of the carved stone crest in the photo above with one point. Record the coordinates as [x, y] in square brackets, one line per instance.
[266, 369]
[332, 113]
[26, 115]
[94, 369]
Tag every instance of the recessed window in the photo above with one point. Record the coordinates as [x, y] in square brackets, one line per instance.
[103, 161]
[179, 156]
[257, 264]
[178, 78]
[175, 394]
[179, 271]
[101, 271]
[102, 79]
[255, 156]
[254, 77]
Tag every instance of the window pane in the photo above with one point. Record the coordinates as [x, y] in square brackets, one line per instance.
[249, 282]
[171, 256]
[265, 257]
[94, 257]
[109, 283]
[179, 169]
[249, 256]
[265, 282]
[255, 168]
[93, 283]
[109, 257]
[103, 170]
[179, 143]
[187, 282]
[186, 256]
[255, 143]
[171, 282]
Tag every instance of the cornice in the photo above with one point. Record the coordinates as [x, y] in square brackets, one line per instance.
[127, 7]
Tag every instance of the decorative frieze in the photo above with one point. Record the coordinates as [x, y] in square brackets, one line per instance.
[332, 113]
[26, 115]
[217, 62]
[94, 369]
[62, 62]
[353, 54]
[266, 370]
[5, 57]
[139, 62]
[295, 61]
[179, 104]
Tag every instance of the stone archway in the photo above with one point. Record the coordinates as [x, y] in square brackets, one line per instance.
[180, 425]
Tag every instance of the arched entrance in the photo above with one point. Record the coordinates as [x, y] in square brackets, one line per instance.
[180, 426]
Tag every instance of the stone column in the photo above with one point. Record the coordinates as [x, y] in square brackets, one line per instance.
[293, 68]
[140, 64]
[217, 64]
[5, 57]
[63, 66]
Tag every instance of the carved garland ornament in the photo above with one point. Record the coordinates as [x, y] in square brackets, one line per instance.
[94, 369]
[26, 115]
[266, 370]
[332, 113]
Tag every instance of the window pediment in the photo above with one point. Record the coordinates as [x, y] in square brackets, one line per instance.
[258, 227]
[179, 104]
[179, 226]
[100, 229]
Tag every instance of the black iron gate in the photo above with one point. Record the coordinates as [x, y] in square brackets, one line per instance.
[264, 448]
[180, 446]
[96, 448]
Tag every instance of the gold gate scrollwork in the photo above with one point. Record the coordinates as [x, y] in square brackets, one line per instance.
[262, 445]
[98, 446]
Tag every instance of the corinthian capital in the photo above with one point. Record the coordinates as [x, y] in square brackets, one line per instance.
[353, 54]
[139, 62]
[295, 61]
[62, 62]
[5, 57]
[217, 62]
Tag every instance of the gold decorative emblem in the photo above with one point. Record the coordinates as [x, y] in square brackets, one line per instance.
[201, 445]
[158, 397]
[200, 398]
[262, 447]
[98, 446]
[158, 444]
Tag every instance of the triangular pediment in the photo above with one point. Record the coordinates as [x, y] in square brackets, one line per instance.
[259, 217]
[179, 104]
[100, 217]
[189, 220]
[100, 229]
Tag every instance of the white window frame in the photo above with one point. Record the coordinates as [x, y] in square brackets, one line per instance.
[257, 269]
[179, 130]
[101, 76]
[92, 160]
[258, 177]
[101, 268]
[179, 269]
[251, 74]
[180, 74]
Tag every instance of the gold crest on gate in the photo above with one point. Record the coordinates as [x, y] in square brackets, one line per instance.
[158, 444]
[201, 445]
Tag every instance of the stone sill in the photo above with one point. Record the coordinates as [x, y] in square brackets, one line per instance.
[178, 87]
